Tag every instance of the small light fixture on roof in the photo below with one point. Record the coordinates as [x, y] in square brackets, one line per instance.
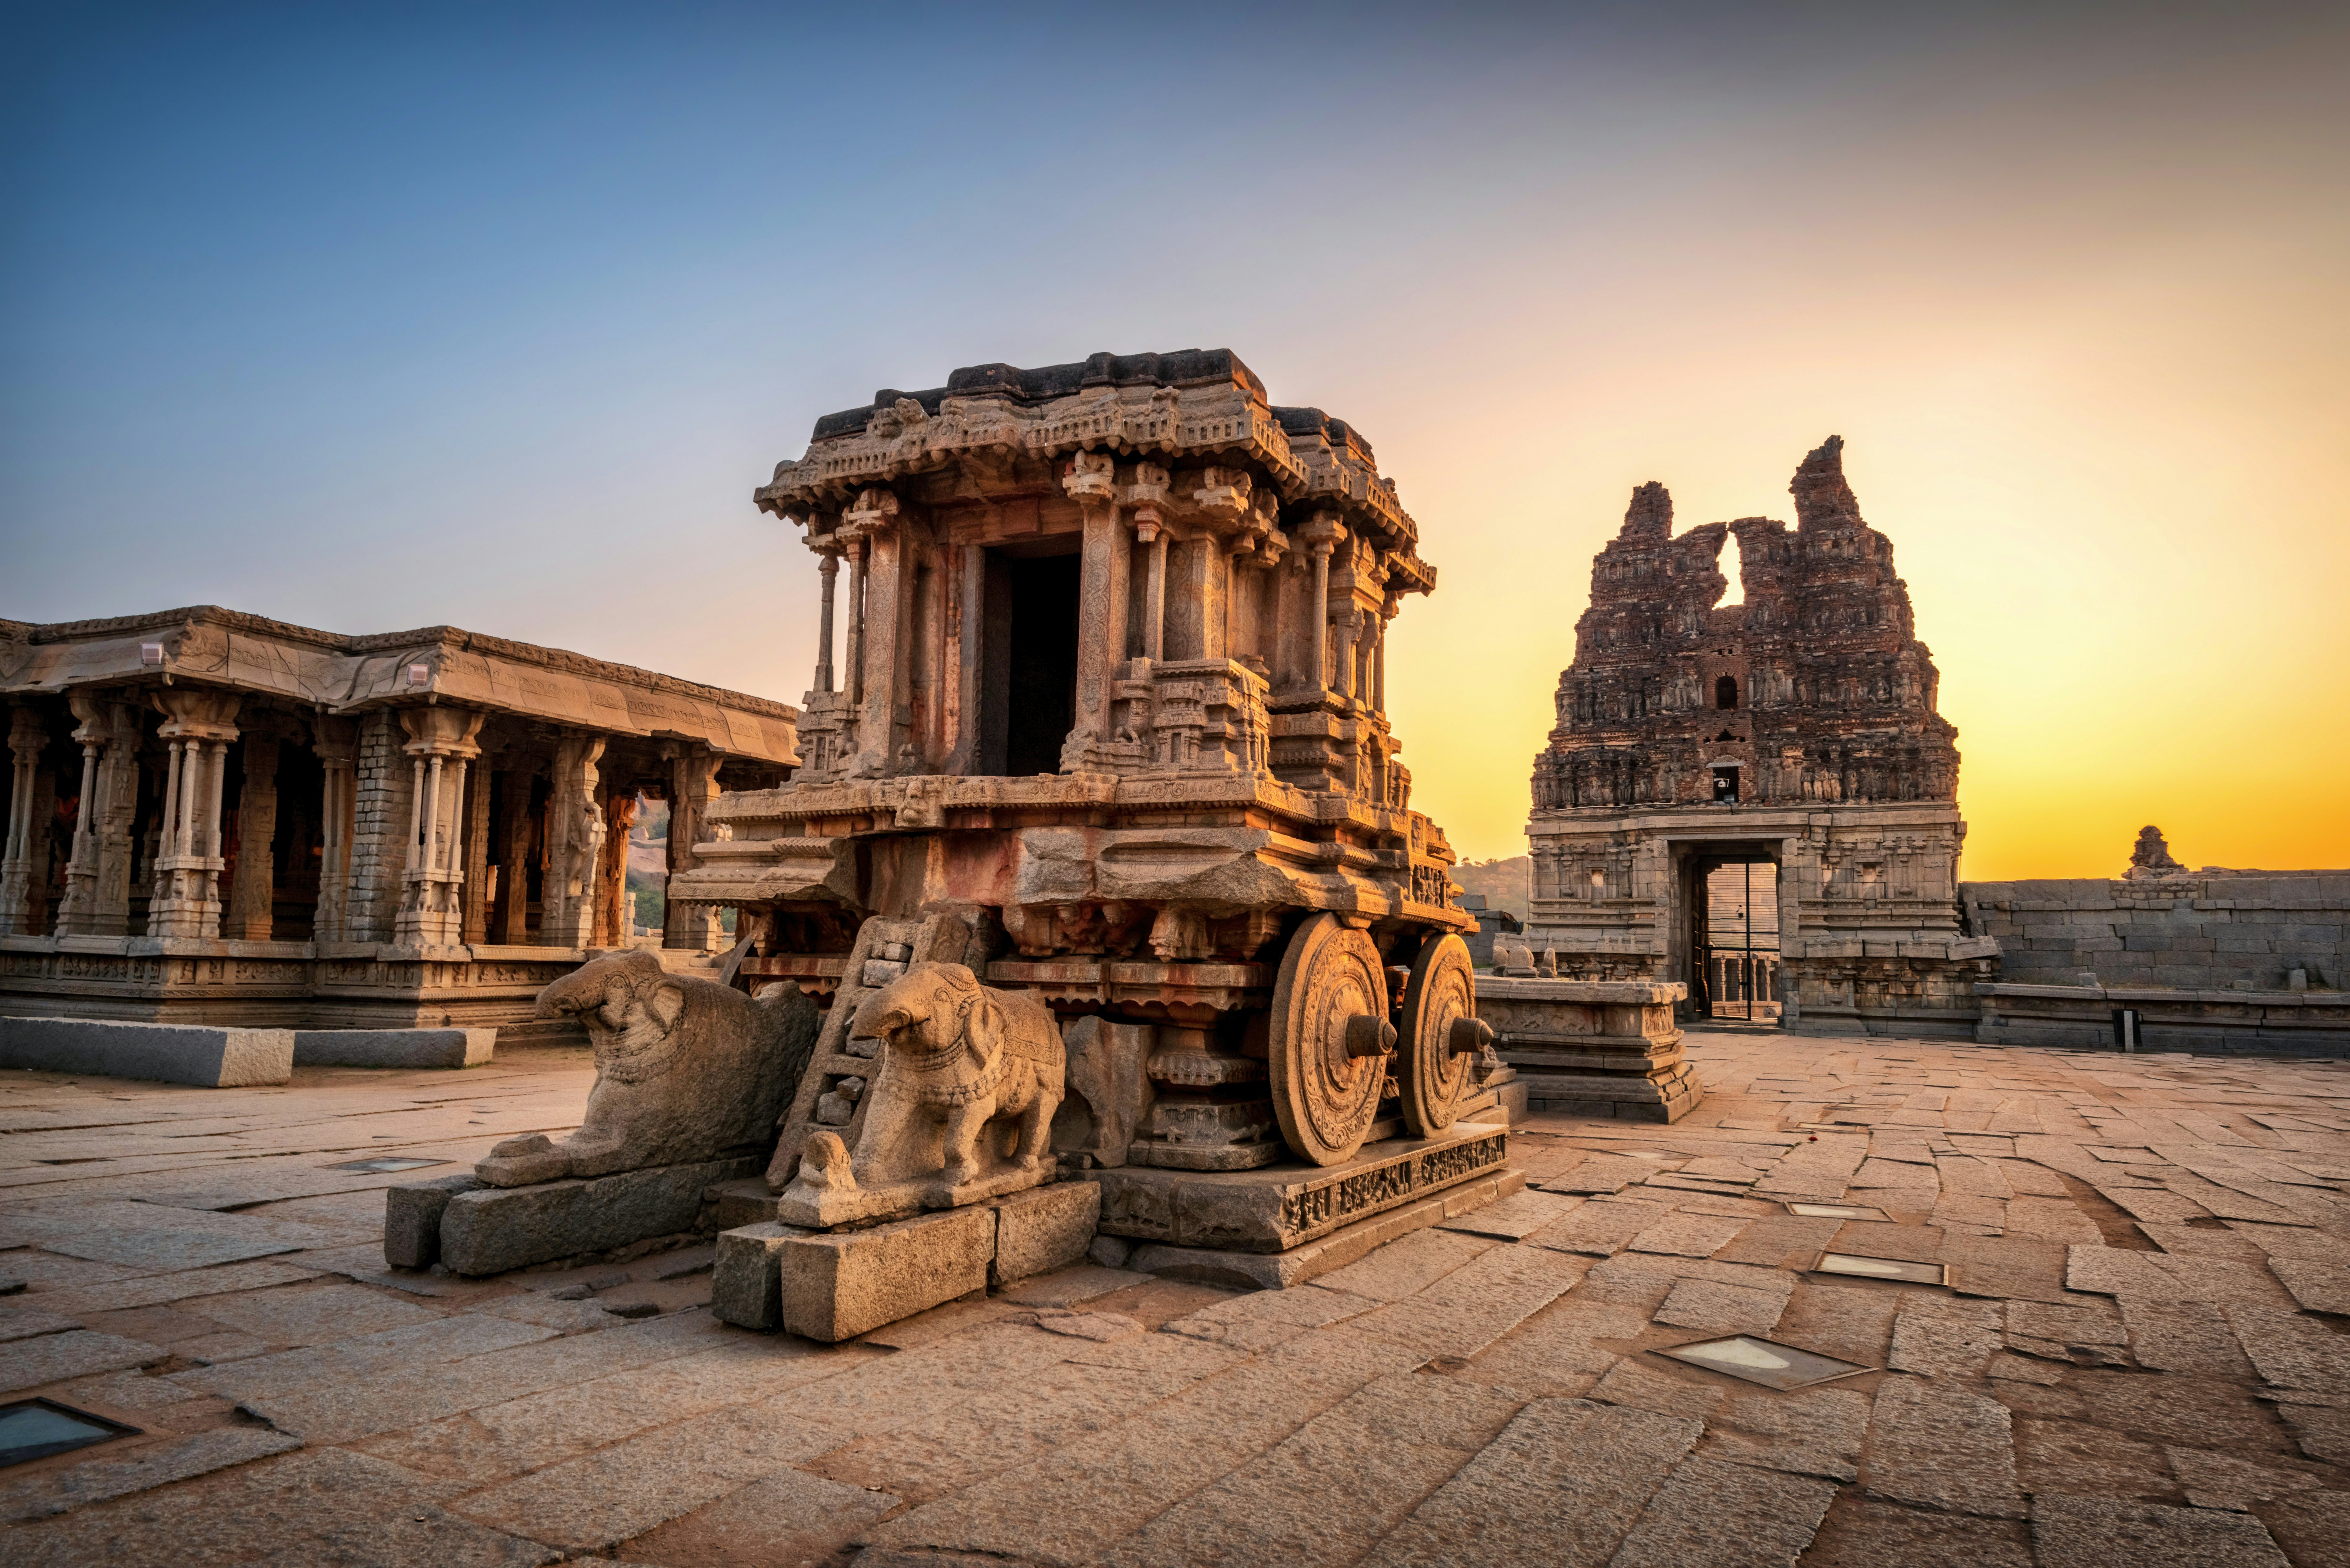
[150, 655]
[1764, 1360]
[36, 1428]
[1906, 1270]
[1834, 1210]
[420, 675]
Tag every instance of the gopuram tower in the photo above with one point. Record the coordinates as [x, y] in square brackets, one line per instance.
[1757, 799]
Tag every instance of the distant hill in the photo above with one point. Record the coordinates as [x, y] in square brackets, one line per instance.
[1506, 884]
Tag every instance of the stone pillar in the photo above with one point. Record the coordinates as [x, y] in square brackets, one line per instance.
[78, 914]
[574, 842]
[855, 622]
[476, 851]
[379, 814]
[693, 784]
[828, 564]
[1150, 532]
[335, 741]
[199, 726]
[27, 738]
[1379, 660]
[253, 887]
[611, 904]
[118, 794]
[440, 749]
[512, 928]
[1101, 617]
[1324, 532]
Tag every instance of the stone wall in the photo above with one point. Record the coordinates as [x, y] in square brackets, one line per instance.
[2210, 930]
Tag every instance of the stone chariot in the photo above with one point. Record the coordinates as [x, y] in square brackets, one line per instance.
[1110, 728]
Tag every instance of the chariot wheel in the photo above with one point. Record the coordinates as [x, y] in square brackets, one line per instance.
[1430, 1072]
[1330, 1040]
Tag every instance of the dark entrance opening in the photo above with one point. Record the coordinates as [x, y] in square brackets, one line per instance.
[1734, 945]
[1028, 662]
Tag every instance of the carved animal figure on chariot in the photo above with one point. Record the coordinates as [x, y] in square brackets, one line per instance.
[962, 1108]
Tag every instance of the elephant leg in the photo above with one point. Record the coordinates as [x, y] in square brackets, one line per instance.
[963, 1125]
[1037, 1127]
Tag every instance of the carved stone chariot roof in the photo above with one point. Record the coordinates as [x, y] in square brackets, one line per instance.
[1192, 405]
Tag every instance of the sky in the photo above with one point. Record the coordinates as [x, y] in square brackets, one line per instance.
[373, 318]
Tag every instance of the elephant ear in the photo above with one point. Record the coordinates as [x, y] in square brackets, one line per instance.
[665, 1002]
[983, 1028]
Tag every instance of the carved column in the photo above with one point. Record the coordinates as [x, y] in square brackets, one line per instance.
[78, 914]
[1380, 658]
[1150, 532]
[335, 741]
[828, 564]
[1101, 601]
[1324, 532]
[612, 904]
[575, 840]
[516, 844]
[856, 621]
[693, 784]
[440, 749]
[253, 886]
[199, 726]
[476, 853]
[27, 738]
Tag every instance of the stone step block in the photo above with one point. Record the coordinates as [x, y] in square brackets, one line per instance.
[495, 1228]
[1043, 1228]
[746, 1283]
[842, 1283]
[393, 1047]
[208, 1057]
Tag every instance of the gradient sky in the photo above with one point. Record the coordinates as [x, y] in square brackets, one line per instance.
[378, 318]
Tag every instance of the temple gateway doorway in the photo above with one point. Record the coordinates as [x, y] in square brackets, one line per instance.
[1733, 941]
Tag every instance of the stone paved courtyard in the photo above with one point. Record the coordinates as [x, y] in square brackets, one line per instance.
[2142, 1360]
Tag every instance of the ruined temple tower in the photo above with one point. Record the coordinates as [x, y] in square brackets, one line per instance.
[1757, 799]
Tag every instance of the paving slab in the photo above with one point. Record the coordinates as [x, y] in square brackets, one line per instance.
[76, 1353]
[1726, 1516]
[1533, 1497]
[1935, 1445]
[320, 1506]
[1329, 1490]
[2102, 1532]
[113, 1475]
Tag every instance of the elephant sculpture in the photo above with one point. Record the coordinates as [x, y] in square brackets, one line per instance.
[686, 1071]
[961, 1109]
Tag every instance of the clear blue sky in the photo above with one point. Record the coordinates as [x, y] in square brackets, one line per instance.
[371, 318]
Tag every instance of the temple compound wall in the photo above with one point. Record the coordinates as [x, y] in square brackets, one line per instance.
[2215, 960]
[221, 819]
[1793, 737]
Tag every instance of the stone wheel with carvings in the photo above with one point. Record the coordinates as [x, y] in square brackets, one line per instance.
[1428, 1069]
[1330, 1040]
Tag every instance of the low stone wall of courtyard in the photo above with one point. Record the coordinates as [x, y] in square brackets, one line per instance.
[2210, 931]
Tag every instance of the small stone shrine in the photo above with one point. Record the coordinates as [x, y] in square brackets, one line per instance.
[1101, 837]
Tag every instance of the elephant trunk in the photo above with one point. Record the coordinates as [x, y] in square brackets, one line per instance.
[575, 994]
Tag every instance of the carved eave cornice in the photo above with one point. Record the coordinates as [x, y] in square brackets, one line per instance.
[1167, 424]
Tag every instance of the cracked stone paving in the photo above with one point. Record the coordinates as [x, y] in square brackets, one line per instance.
[2140, 1358]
